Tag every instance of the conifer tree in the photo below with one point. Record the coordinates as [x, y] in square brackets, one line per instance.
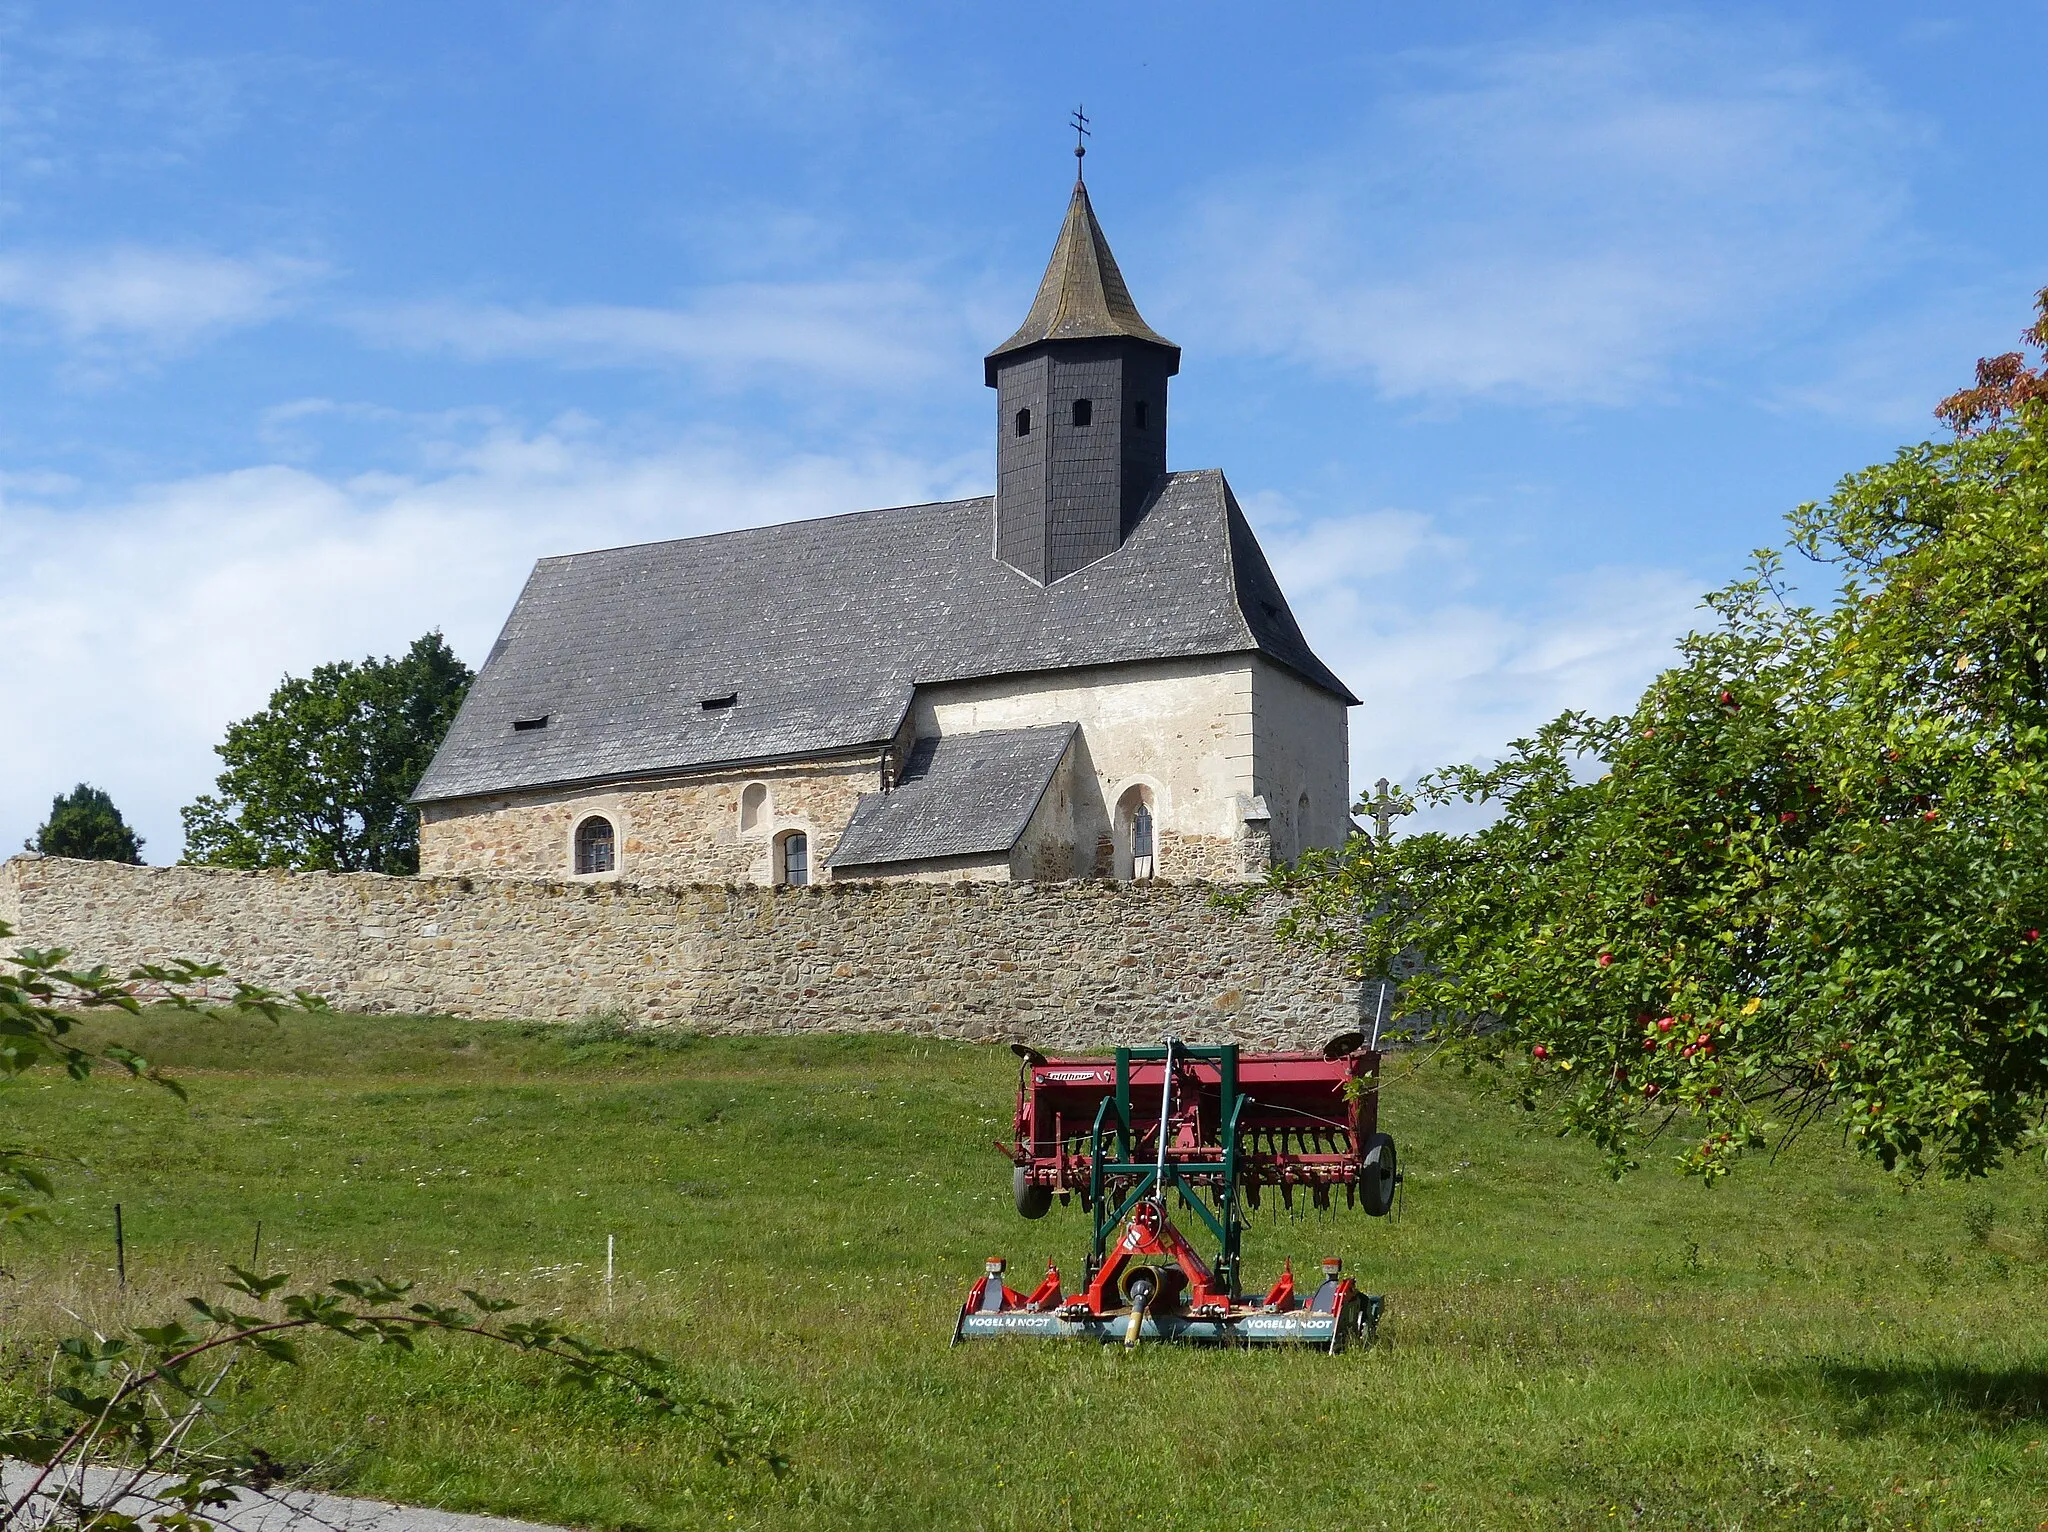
[84, 823]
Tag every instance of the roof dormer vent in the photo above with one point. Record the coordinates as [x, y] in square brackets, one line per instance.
[713, 704]
[521, 725]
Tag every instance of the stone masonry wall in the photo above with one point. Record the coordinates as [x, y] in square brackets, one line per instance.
[683, 830]
[1062, 965]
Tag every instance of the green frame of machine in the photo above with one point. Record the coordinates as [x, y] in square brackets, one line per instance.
[1230, 1102]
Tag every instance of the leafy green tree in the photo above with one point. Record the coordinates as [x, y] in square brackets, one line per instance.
[1806, 876]
[319, 779]
[84, 823]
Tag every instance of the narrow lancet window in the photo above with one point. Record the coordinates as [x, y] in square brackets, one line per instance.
[1138, 415]
[1133, 834]
[1023, 422]
[796, 858]
[1084, 412]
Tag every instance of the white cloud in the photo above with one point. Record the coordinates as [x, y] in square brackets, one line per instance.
[162, 298]
[782, 66]
[1894, 366]
[96, 99]
[1559, 220]
[1447, 679]
[134, 632]
[863, 330]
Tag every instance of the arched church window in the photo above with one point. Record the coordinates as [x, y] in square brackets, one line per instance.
[753, 805]
[793, 852]
[1138, 414]
[1023, 422]
[595, 848]
[1084, 412]
[1134, 834]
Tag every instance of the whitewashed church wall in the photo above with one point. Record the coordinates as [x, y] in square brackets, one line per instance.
[1183, 728]
[1302, 735]
[683, 830]
[1063, 965]
[1046, 849]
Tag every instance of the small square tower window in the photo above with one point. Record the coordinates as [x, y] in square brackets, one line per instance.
[1084, 412]
[1023, 422]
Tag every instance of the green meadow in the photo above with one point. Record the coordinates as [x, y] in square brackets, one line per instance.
[797, 1220]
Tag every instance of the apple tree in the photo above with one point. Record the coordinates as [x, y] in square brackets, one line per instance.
[1805, 877]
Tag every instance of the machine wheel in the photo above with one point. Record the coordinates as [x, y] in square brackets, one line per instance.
[1376, 1182]
[1032, 1201]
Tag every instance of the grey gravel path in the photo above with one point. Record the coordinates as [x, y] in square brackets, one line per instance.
[297, 1510]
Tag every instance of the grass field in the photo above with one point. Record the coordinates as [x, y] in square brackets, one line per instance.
[797, 1221]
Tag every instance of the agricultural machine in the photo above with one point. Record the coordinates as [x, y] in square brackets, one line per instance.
[1220, 1130]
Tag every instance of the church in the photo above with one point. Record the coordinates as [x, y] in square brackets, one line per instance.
[1091, 674]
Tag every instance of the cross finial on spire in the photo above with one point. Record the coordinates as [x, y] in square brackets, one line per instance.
[1080, 132]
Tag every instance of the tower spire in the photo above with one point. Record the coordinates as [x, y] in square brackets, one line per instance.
[1082, 295]
[1080, 406]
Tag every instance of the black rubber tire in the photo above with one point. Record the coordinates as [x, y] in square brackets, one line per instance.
[1381, 1175]
[1032, 1201]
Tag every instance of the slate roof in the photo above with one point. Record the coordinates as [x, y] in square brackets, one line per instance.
[1082, 295]
[824, 628]
[959, 795]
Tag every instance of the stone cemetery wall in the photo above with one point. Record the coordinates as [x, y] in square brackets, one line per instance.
[1065, 964]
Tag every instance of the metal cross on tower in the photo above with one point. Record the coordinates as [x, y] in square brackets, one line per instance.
[1383, 809]
[1080, 132]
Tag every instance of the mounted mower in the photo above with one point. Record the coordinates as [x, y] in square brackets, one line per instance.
[1219, 1128]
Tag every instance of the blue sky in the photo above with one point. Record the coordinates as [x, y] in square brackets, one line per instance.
[1515, 328]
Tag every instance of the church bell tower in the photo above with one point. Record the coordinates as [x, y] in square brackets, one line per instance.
[1080, 410]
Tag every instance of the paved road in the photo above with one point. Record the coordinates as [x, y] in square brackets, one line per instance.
[297, 1510]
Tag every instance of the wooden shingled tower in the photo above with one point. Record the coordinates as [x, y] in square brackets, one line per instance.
[1081, 410]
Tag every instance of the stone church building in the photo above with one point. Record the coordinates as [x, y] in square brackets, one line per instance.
[1091, 674]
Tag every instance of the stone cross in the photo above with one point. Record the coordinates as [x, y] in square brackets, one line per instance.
[1383, 810]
